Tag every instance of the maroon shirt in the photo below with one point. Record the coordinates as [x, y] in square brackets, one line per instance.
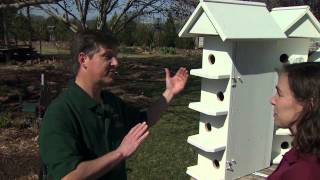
[297, 166]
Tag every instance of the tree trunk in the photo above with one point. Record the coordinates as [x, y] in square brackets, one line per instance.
[5, 29]
[30, 26]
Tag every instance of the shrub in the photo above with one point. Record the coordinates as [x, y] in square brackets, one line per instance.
[167, 50]
[5, 120]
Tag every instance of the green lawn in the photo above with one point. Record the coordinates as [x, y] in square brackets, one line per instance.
[166, 154]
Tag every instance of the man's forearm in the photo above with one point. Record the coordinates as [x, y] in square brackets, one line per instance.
[96, 168]
[157, 108]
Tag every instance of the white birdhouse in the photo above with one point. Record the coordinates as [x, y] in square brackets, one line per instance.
[243, 45]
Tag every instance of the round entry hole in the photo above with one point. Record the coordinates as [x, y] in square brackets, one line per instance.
[284, 58]
[216, 164]
[208, 127]
[212, 59]
[285, 145]
[220, 96]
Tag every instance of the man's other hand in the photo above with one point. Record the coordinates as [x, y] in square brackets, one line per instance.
[133, 139]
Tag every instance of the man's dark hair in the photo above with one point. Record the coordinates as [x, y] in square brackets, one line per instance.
[89, 42]
[304, 82]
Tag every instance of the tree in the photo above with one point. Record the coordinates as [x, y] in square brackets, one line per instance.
[18, 28]
[6, 17]
[170, 33]
[18, 4]
[127, 11]
[182, 9]
[144, 34]
[9, 6]
[127, 36]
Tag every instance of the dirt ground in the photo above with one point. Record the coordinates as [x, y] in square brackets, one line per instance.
[19, 156]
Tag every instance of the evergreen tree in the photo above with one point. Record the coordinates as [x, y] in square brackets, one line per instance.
[127, 36]
[19, 28]
[170, 33]
[144, 34]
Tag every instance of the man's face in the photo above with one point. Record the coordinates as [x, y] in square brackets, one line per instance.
[101, 67]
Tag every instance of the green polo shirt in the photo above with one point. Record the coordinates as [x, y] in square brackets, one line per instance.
[76, 128]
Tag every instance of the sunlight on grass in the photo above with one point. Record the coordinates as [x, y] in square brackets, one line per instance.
[166, 153]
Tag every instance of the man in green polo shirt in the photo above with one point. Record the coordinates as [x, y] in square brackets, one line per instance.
[87, 132]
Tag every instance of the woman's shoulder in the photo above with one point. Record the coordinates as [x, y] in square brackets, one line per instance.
[306, 167]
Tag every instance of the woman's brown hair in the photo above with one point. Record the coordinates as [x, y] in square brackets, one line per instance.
[304, 82]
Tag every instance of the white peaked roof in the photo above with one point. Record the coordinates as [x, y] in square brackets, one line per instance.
[232, 19]
[315, 56]
[297, 21]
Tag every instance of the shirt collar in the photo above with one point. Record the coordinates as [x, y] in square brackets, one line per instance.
[81, 96]
[294, 155]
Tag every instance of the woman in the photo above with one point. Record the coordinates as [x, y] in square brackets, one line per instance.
[297, 107]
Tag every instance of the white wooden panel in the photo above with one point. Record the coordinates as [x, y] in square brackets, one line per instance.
[210, 91]
[214, 110]
[208, 143]
[250, 129]
[297, 21]
[222, 51]
[303, 28]
[210, 74]
[197, 173]
[208, 168]
[203, 26]
[283, 132]
[218, 124]
[281, 15]
[234, 21]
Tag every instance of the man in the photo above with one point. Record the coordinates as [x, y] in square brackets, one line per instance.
[87, 132]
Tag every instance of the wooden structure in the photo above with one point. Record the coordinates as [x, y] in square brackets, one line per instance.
[243, 45]
[17, 52]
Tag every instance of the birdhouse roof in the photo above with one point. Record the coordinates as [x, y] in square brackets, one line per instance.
[297, 21]
[315, 56]
[232, 20]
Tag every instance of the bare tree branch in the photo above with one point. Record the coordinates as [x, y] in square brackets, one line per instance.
[128, 10]
[72, 27]
[21, 4]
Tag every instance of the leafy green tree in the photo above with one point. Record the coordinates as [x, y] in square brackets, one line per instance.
[39, 26]
[6, 22]
[19, 27]
[127, 36]
[170, 33]
[144, 34]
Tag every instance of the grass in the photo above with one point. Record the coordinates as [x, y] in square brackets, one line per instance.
[51, 51]
[166, 153]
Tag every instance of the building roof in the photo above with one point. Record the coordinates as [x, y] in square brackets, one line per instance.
[315, 56]
[232, 19]
[297, 21]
